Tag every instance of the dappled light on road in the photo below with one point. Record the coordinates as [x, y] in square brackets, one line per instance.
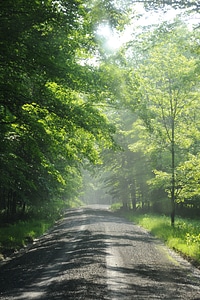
[93, 254]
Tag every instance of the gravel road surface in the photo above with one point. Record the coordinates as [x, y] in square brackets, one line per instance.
[93, 254]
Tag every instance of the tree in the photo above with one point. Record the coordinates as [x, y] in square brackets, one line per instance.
[52, 120]
[162, 4]
[169, 99]
[125, 170]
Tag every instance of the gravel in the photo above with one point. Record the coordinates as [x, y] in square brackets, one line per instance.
[93, 254]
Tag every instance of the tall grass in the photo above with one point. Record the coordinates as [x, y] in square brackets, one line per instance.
[184, 237]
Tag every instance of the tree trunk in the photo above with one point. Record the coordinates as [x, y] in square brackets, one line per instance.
[133, 194]
[173, 177]
[14, 204]
[173, 213]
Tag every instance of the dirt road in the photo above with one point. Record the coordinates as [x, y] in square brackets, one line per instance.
[92, 254]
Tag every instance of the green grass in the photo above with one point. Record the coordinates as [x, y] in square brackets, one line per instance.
[115, 206]
[184, 237]
[15, 236]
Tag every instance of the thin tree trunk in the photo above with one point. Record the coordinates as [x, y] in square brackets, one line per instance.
[133, 194]
[173, 178]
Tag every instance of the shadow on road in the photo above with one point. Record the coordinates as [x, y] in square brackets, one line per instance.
[52, 268]
[69, 262]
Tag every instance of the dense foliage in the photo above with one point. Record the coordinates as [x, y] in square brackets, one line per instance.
[51, 104]
[159, 163]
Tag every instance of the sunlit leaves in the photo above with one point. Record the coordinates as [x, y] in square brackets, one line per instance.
[188, 176]
[52, 105]
[167, 128]
[168, 85]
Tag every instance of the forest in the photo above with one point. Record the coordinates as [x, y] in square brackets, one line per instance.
[82, 109]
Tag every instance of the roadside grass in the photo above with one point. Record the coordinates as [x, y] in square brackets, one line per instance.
[19, 234]
[184, 237]
[15, 236]
[115, 206]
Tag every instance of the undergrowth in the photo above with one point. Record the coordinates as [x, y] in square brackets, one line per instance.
[19, 234]
[15, 236]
